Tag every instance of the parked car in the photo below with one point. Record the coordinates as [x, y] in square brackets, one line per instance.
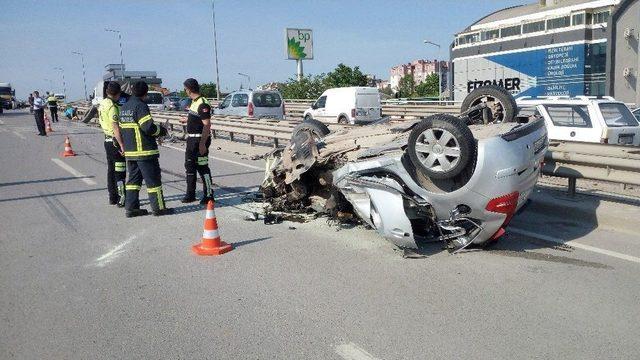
[431, 179]
[348, 105]
[171, 103]
[252, 103]
[585, 119]
[155, 100]
[185, 103]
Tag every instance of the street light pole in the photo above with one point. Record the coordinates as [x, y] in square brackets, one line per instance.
[248, 79]
[50, 83]
[64, 83]
[215, 47]
[84, 76]
[439, 63]
[121, 58]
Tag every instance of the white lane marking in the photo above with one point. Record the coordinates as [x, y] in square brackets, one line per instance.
[352, 351]
[219, 159]
[112, 254]
[20, 135]
[73, 171]
[575, 245]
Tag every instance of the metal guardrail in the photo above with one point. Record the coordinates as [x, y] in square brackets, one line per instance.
[572, 160]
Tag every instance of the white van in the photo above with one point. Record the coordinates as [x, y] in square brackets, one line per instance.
[348, 105]
[584, 118]
[155, 100]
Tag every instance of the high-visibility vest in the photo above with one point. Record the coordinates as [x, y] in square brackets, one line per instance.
[109, 113]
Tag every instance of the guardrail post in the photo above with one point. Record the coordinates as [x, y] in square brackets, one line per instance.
[275, 143]
[213, 133]
[572, 187]
[231, 136]
[251, 140]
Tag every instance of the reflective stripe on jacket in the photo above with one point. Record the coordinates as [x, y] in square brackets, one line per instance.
[138, 130]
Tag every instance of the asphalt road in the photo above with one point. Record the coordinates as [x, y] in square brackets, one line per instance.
[80, 281]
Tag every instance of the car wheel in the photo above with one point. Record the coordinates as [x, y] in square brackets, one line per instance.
[500, 105]
[317, 128]
[441, 146]
[343, 120]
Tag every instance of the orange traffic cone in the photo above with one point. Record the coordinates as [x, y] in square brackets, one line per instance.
[67, 148]
[48, 123]
[211, 243]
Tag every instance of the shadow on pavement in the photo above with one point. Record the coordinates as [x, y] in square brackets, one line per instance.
[248, 242]
[52, 194]
[45, 180]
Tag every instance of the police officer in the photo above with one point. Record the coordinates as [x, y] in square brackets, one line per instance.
[52, 101]
[109, 114]
[139, 134]
[38, 112]
[196, 157]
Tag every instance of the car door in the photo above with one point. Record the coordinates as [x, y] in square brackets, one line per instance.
[239, 104]
[320, 111]
[571, 122]
[224, 107]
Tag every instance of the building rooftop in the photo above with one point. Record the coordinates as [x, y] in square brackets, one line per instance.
[529, 9]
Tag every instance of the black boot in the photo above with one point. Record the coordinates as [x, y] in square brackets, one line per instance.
[205, 200]
[167, 211]
[136, 212]
[188, 199]
[190, 196]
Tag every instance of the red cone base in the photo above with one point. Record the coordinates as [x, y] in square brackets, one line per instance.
[210, 249]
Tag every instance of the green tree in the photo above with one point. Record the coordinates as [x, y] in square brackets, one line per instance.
[406, 86]
[343, 76]
[387, 91]
[429, 87]
[312, 86]
[309, 87]
[207, 90]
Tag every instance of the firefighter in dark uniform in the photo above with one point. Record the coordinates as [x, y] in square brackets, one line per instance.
[196, 157]
[139, 135]
[109, 115]
[52, 101]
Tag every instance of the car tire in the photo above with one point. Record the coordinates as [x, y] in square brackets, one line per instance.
[441, 147]
[317, 128]
[343, 120]
[501, 103]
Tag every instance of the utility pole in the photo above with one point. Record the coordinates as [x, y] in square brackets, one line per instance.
[84, 76]
[439, 64]
[121, 58]
[215, 47]
[50, 84]
[64, 83]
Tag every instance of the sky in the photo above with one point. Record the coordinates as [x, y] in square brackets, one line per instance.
[175, 38]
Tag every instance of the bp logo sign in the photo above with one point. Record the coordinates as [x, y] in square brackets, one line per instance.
[299, 44]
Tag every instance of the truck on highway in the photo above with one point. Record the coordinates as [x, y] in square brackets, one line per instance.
[7, 96]
[584, 118]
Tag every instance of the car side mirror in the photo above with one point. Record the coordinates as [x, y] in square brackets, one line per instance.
[314, 106]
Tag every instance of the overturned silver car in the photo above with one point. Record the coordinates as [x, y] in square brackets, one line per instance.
[436, 178]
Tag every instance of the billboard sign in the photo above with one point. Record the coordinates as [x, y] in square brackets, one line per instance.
[299, 44]
[557, 70]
